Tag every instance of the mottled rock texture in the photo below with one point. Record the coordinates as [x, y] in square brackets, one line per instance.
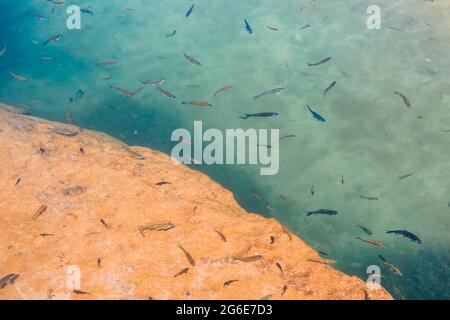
[72, 199]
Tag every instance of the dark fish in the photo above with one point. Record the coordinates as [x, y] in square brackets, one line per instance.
[153, 81]
[81, 292]
[222, 90]
[53, 39]
[184, 271]
[161, 183]
[366, 230]
[87, 11]
[316, 116]
[272, 28]
[74, 191]
[411, 236]
[393, 268]
[78, 95]
[405, 176]
[64, 132]
[312, 190]
[227, 283]
[167, 93]
[248, 259]
[369, 198]
[171, 34]
[320, 62]
[105, 224]
[304, 27]
[269, 93]
[127, 93]
[156, 227]
[192, 60]
[322, 253]
[39, 212]
[329, 88]
[221, 235]
[405, 99]
[287, 136]
[248, 27]
[9, 279]
[188, 256]
[189, 12]
[322, 211]
[260, 114]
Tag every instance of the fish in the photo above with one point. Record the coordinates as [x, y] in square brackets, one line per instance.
[287, 136]
[54, 38]
[369, 198]
[171, 34]
[248, 27]
[304, 27]
[342, 179]
[229, 282]
[156, 227]
[223, 89]
[107, 63]
[127, 93]
[64, 132]
[184, 271]
[323, 261]
[272, 28]
[17, 77]
[198, 104]
[153, 81]
[269, 93]
[366, 230]
[188, 256]
[316, 116]
[279, 267]
[39, 17]
[405, 99]
[2, 52]
[405, 176]
[331, 86]
[320, 62]
[248, 259]
[167, 93]
[189, 12]
[44, 235]
[71, 191]
[393, 268]
[323, 212]
[268, 297]
[409, 235]
[105, 224]
[260, 114]
[99, 262]
[81, 292]
[161, 183]
[39, 212]
[312, 190]
[8, 279]
[87, 11]
[46, 58]
[78, 95]
[372, 242]
[191, 59]
[221, 235]
[128, 8]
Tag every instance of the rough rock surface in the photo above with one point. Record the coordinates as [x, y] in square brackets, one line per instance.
[73, 199]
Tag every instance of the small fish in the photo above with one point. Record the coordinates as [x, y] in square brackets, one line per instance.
[134, 154]
[153, 81]
[248, 27]
[260, 115]
[405, 176]
[78, 95]
[167, 93]
[304, 27]
[323, 212]
[64, 132]
[87, 11]
[409, 235]
[127, 93]
[323, 261]
[39, 212]
[221, 235]
[329, 88]
[2, 52]
[17, 77]
[77, 190]
[268, 297]
[322, 252]
[192, 60]
[105, 224]
[393, 268]
[269, 93]
[184, 271]
[81, 292]
[99, 262]
[320, 62]
[46, 58]
[248, 259]
[229, 282]
[272, 28]
[128, 8]
[188, 256]
[316, 116]
[369, 198]
[366, 230]
[17, 182]
[312, 190]
[107, 63]
[9, 279]
[171, 34]
[342, 179]
[223, 89]
[372, 242]
[156, 227]
[279, 267]
[405, 99]
[161, 183]
[189, 12]
[284, 290]
[44, 235]
[53, 39]
[198, 104]
[287, 136]
[39, 17]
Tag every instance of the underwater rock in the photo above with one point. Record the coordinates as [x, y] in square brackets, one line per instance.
[93, 247]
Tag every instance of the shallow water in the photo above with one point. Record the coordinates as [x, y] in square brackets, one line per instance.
[370, 138]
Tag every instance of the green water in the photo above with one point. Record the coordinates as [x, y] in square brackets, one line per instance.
[370, 138]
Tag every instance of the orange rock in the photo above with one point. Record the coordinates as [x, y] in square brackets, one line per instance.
[88, 245]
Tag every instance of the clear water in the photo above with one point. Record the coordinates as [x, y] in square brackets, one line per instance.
[370, 137]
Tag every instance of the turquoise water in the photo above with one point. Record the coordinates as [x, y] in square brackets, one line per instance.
[370, 138]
